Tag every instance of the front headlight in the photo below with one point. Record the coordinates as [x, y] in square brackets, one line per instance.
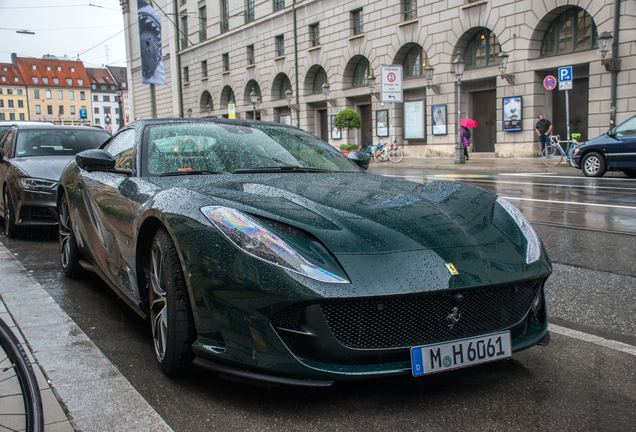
[36, 184]
[246, 234]
[533, 252]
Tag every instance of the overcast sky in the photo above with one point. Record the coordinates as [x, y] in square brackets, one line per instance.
[64, 28]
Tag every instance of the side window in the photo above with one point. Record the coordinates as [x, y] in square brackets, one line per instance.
[122, 148]
[627, 129]
[7, 144]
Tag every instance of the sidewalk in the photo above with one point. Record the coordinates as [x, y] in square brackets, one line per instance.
[81, 389]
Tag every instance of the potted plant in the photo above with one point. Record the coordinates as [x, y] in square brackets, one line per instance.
[345, 120]
[348, 148]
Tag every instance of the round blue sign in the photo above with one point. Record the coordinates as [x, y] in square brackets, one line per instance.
[549, 82]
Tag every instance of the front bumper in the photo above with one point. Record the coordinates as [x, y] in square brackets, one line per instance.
[36, 208]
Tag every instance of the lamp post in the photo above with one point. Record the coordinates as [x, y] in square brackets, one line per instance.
[254, 99]
[428, 75]
[502, 60]
[458, 68]
[612, 65]
[289, 95]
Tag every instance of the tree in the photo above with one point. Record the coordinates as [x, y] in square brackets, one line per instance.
[347, 119]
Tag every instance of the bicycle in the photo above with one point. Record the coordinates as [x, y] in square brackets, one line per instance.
[395, 154]
[382, 153]
[553, 154]
[17, 377]
[376, 152]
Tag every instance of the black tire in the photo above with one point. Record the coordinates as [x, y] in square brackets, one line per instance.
[69, 253]
[630, 173]
[170, 314]
[19, 367]
[10, 228]
[593, 165]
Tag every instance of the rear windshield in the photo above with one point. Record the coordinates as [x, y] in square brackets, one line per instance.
[226, 147]
[66, 142]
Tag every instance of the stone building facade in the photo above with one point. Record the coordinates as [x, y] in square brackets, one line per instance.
[218, 51]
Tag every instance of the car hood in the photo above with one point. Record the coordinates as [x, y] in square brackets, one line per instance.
[49, 167]
[355, 213]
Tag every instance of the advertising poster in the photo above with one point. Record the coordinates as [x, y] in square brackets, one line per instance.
[335, 133]
[512, 113]
[414, 120]
[439, 119]
[150, 44]
[382, 123]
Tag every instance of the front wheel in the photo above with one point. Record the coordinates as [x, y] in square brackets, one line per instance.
[377, 155]
[69, 253]
[10, 228]
[593, 165]
[170, 316]
[551, 156]
[396, 155]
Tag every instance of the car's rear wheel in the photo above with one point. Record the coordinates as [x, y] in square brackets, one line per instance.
[10, 228]
[630, 173]
[170, 315]
[593, 165]
[69, 253]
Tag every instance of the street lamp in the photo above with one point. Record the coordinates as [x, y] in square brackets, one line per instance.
[502, 60]
[289, 95]
[371, 79]
[428, 75]
[325, 91]
[254, 99]
[189, 112]
[604, 45]
[458, 68]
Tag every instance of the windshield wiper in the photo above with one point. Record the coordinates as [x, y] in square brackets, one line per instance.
[284, 169]
[189, 172]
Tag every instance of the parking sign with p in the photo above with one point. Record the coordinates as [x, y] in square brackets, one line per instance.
[565, 73]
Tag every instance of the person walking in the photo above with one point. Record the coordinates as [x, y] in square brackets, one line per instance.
[465, 134]
[543, 128]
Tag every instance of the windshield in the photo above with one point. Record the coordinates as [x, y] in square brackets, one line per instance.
[227, 148]
[51, 142]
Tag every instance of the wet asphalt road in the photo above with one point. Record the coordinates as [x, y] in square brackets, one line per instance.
[568, 385]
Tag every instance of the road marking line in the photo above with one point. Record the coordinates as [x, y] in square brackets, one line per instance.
[597, 340]
[555, 175]
[569, 202]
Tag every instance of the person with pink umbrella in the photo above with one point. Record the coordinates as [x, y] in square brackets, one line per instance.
[465, 133]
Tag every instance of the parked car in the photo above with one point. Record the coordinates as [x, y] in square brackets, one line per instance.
[263, 253]
[612, 151]
[32, 156]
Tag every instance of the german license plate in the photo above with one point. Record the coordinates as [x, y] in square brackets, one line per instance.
[433, 358]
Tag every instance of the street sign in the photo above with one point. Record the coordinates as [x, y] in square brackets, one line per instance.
[565, 73]
[549, 82]
[391, 83]
[231, 110]
[82, 113]
[565, 85]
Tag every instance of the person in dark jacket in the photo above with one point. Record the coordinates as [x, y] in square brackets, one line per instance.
[465, 140]
[543, 128]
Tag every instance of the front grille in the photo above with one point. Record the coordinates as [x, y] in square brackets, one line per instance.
[37, 214]
[288, 319]
[406, 322]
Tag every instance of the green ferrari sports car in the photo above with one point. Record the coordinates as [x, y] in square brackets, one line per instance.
[259, 251]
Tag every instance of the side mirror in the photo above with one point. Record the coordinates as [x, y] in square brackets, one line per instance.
[360, 159]
[95, 160]
[611, 132]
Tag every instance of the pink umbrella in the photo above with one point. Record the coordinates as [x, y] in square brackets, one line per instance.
[466, 122]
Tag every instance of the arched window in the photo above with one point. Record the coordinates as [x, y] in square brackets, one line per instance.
[573, 30]
[482, 50]
[206, 102]
[319, 80]
[414, 62]
[361, 73]
[284, 86]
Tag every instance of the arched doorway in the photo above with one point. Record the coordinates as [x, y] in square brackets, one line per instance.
[205, 104]
[251, 112]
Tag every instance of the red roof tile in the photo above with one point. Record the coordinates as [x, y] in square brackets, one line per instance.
[9, 73]
[60, 69]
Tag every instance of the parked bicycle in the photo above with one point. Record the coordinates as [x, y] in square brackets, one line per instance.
[553, 154]
[17, 377]
[383, 152]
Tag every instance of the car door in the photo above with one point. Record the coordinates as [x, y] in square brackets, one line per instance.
[103, 211]
[621, 152]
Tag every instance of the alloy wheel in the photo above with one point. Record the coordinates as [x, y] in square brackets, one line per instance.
[65, 235]
[158, 306]
[592, 165]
